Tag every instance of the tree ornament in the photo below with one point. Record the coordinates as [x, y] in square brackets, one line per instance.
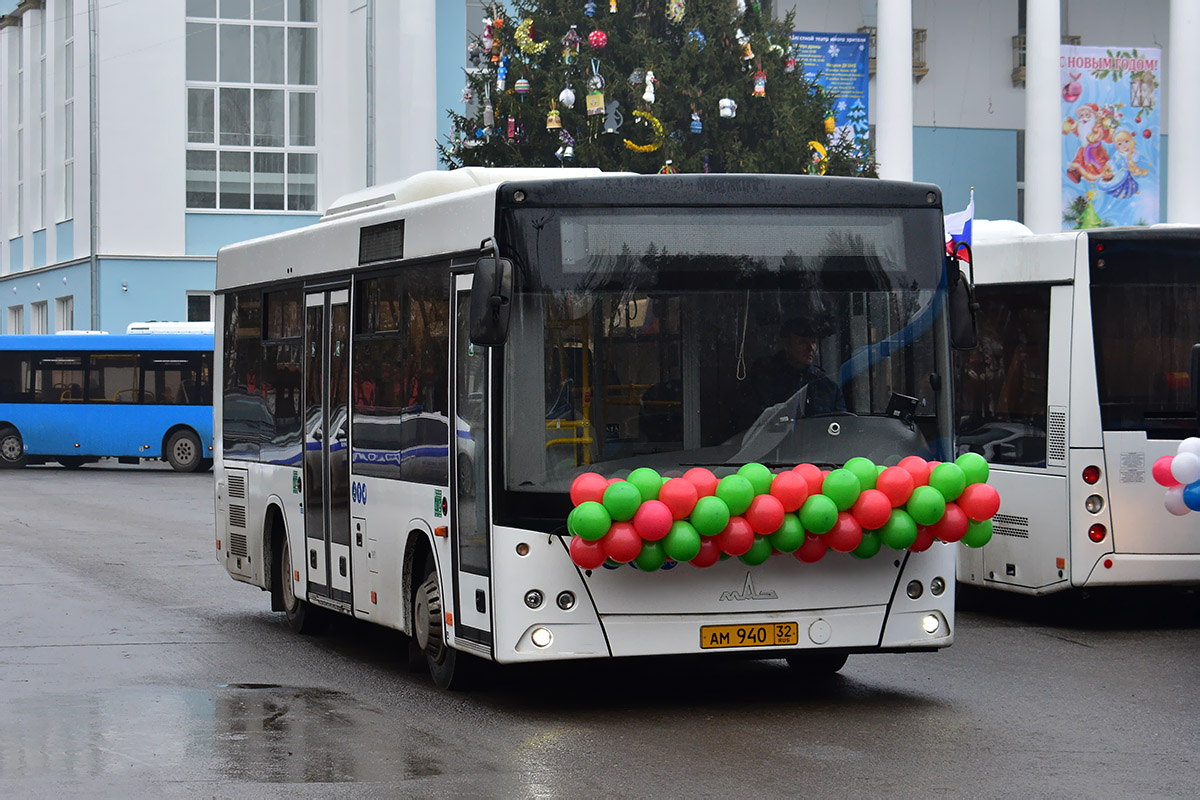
[744, 41]
[567, 97]
[487, 39]
[697, 39]
[648, 95]
[727, 107]
[566, 152]
[668, 169]
[570, 45]
[595, 96]
[502, 74]
[467, 94]
[597, 39]
[830, 123]
[474, 53]
[612, 6]
[675, 11]
[512, 128]
[489, 116]
[589, 8]
[614, 118]
[741, 8]
[789, 64]
[760, 83]
[658, 134]
[524, 37]
[522, 86]
[697, 126]
[637, 77]
[818, 163]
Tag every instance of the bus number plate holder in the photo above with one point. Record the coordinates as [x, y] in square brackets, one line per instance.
[766, 634]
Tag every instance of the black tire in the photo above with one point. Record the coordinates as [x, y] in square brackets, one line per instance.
[183, 451]
[449, 668]
[816, 665]
[12, 448]
[302, 616]
[71, 462]
[206, 464]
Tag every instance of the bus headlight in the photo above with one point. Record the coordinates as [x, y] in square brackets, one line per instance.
[931, 623]
[1094, 504]
[542, 637]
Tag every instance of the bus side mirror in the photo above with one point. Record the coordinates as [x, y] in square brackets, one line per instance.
[964, 332]
[491, 301]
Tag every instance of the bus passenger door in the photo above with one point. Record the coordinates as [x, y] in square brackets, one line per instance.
[326, 444]
[469, 518]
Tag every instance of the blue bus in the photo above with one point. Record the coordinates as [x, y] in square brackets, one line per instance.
[75, 398]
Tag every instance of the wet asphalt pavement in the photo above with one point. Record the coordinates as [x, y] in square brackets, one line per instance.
[132, 666]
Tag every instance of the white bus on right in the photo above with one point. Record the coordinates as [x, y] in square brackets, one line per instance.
[1082, 379]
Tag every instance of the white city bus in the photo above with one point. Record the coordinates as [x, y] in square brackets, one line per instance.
[374, 460]
[1081, 381]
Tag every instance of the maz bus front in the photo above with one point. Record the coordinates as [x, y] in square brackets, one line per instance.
[404, 474]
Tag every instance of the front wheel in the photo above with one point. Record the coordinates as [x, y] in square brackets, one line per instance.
[448, 667]
[71, 462]
[816, 665]
[183, 451]
[12, 448]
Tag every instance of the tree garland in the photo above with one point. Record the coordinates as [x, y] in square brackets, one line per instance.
[524, 37]
[659, 137]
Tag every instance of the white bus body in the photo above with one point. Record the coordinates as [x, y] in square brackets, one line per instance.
[332, 509]
[1080, 383]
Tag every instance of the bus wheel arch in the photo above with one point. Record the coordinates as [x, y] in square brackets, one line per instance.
[182, 449]
[12, 447]
[274, 532]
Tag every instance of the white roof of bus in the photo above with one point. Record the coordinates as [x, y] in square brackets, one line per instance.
[1005, 251]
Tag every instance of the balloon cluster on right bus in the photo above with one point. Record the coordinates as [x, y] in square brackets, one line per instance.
[1180, 474]
[650, 520]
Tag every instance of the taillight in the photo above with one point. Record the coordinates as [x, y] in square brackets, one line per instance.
[1097, 533]
[1091, 475]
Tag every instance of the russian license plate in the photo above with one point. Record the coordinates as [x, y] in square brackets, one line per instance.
[767, 634]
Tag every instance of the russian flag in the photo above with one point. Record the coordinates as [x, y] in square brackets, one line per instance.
[958, 228]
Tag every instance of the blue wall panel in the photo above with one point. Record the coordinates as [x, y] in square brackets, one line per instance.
[39, 248]
[204, 234]
[48, 286]
[451, 23]
[958, 158]
[64, 240]
[16, 254]
[154, 290]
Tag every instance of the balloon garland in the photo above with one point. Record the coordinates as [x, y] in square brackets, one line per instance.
[524, 37]
[647, 519]
[659, 137]
[1180, 476]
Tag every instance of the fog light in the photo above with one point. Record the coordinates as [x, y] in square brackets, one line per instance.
[541, 637]
[937, 586]
[931, 623]
[915, 589]
[565, 600]
[1097, 533]
[534, 598]
[1094, 504]
[523, 549]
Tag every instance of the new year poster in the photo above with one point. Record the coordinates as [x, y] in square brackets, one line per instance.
[837, 62]
[1111, 153]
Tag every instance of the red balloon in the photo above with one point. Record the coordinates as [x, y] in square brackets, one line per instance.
[736, 539]
[710, 552]
[611, 481]
[765, 514]
[680, 496]
[586, 554]
[917, 467]
[588, 486]
[897, 483]
[1162, 472]
[791, 489]
[812, 476]
[873, 508]
[846, 535]
[952, 526]
[652, 521]
[981, 501]
[622, 542]
[703, 479]
[813, 549]
[924, 540]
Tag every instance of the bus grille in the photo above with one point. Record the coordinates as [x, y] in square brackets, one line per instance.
[1011, 525]
[237, 545]
[237, 485]
[1056, 436]
[237, 516]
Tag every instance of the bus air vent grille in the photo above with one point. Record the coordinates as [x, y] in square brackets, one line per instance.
[237, 485]
[1011, 525]
[237, 516]
[237, 545]
[1056, 436]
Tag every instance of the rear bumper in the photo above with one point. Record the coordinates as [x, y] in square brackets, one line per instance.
[1131, 569]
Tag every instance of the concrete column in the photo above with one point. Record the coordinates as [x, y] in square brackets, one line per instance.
[1043, 123]
[416, 82]
[1183, 108]
[894, 90]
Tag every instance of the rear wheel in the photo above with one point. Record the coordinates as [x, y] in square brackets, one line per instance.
[183, 452]
[71, 462]
[449, 668]
[12, 448]
[816, 665]
[301, 616]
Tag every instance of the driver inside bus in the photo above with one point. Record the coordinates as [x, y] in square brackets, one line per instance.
[792, 368]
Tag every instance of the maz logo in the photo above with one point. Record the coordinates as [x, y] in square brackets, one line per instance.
[748, 592]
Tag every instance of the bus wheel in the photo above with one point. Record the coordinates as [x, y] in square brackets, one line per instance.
[816, 665]
[12, 448]
[446, 665]
[183, 451]
[71, 462]
[301, 616]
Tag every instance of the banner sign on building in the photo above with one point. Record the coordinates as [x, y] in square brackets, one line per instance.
[1111, 152]
[837, 62]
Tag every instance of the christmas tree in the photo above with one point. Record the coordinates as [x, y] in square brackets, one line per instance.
[645, 86]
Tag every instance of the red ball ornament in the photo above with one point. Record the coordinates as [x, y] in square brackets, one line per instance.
[622, 542]
[924, 540]
[918, 468]
[587, 555]
[812, 476]
[897, 484]
[981, 501]
[873, 508]
[952, 526]
[765, 514]
[652, 520]
[710, 552]
[737, 538]
[1161, 471]
[597, 39]
[1146, 133]
[703, 479]
[791, 489]
[679, 495]
[588, 486]
[846, 535]
[813, 549]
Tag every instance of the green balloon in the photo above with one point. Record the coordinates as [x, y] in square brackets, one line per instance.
[790, 535]
[571, 523]
[725, 556]
[879, 468]
[899, 532]
[949, 479]
[622, 500]
[864, 469]
[842, 487]
[682, 542]
[592, 520]
[652, 557]
[974, 467]
[759, 552]
[818, 514]
[869, 547]
[710, 516]
[926, 505]
[978, 533]
[759, 476]
[737, 492]
[647, 481]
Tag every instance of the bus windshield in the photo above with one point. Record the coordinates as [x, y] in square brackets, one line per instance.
[679, 337]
